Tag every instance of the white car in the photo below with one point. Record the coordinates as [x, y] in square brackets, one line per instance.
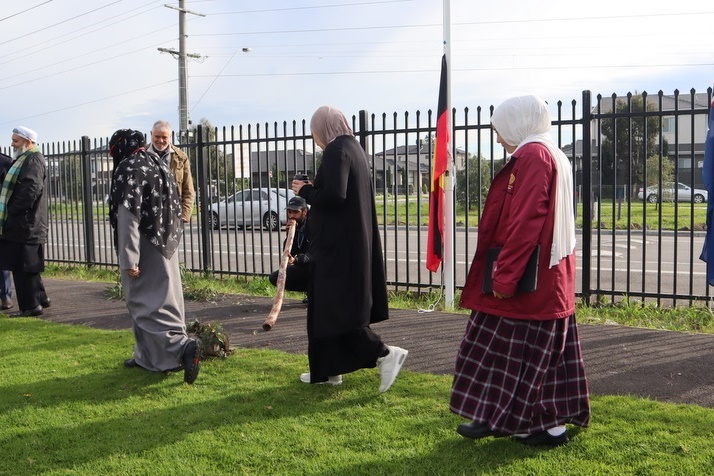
[257, 206]
[685, 193]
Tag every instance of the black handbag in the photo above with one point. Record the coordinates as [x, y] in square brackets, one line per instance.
[528, 282]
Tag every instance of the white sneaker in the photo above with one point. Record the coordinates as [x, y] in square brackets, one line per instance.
[390, 365]
[334, 380]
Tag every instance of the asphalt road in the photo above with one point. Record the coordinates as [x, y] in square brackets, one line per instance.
[637, 262]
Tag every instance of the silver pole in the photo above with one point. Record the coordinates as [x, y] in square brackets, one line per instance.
[449, 177]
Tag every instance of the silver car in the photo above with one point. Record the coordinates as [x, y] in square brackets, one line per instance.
[684, 193]
[253, 207]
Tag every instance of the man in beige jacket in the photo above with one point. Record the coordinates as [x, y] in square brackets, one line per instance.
[179, 164]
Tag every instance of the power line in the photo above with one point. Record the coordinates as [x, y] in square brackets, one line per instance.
[244, 50]
[559, 51]
[405, 71]
[24, 11]
[318, 30]
[71, 69]
[55, 43]
[58, 23]
[471, 23]
[604, 17]
[88, 102]
[351, 43]
[373, 27]
[312, 7]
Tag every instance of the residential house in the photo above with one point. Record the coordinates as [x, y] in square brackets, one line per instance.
[684, 132]
[407, 167]
[275, 167]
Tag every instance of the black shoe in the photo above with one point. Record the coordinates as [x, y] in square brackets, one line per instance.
[35, 311]
[474, 430]
[46, 302]
[191, 362]
[130, 363]
[304, 301]
[543, 439]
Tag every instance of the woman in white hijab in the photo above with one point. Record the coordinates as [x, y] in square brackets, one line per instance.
[519, 371]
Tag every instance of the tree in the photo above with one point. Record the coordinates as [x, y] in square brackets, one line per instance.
[70, 177]
[474, 182]
[221, 169]
[629, 139]
[279, 178]
[655, 172]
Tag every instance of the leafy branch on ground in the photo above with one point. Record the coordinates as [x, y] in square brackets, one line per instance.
[213, 340]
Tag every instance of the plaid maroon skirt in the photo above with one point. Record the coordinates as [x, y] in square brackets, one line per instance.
[520, 376]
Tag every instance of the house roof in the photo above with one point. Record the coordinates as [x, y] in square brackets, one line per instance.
[406, 156]
[293, 159]
[669, 102]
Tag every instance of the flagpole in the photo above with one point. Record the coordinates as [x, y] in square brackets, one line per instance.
[450, 176]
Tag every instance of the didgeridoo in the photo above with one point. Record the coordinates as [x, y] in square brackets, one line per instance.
[280, 284]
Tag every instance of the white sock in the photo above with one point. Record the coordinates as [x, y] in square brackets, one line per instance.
[556, 430]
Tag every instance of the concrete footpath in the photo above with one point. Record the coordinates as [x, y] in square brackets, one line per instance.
[663, 365]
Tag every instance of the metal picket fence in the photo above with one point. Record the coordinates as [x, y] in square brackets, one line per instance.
[620, 148]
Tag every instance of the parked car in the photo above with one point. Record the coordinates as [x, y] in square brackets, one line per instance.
[684, 193]
[256, 206]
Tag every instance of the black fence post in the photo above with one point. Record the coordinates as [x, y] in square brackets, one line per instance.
[587, 197]
[364, 131]
[88, 210]
[204, 200]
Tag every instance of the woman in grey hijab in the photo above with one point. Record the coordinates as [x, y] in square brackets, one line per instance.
[348, 290]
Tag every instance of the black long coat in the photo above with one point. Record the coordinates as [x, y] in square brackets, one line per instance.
[26, 220]
[349, 289]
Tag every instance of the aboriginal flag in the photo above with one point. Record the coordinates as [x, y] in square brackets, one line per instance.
[435, 238]
[708, 175]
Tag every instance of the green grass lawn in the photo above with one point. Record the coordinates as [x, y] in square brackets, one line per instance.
[636, 215]
[69, 407]
[414, 211]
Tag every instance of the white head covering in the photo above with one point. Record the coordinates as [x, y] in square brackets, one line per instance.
[328, 123]
[26, 133]
[525, 119]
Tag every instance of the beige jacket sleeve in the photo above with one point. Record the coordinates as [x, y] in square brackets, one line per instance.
[181, 167]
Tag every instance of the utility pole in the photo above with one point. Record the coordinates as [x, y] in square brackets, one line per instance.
[182, 72]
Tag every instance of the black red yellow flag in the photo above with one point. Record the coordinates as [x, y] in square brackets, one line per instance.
[435, 238]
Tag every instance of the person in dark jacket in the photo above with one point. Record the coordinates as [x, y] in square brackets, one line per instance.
[519, 371]
[6, 283]
[23, 222]
[348, 290]
[297, 273]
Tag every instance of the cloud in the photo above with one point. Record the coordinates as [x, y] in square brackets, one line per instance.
[81, 67]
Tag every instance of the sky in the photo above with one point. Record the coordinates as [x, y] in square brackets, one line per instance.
[72, 68]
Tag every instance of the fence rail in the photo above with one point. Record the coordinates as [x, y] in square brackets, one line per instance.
[619, 146]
